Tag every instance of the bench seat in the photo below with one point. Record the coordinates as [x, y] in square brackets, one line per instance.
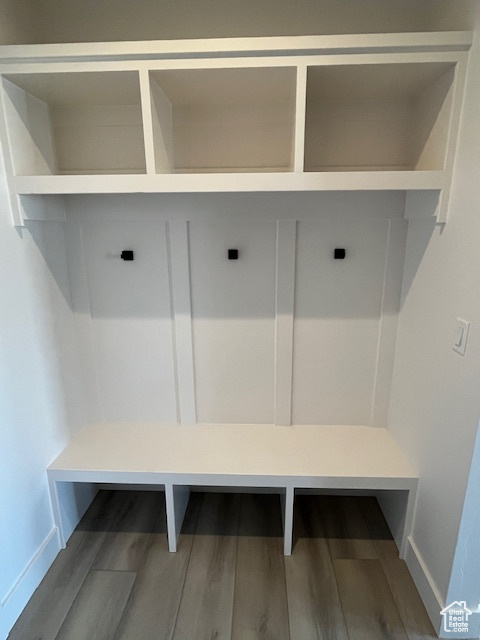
[178, 457]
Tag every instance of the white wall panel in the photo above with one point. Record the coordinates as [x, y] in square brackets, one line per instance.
[131, 321]
[337, 319]
[233, 305]
[239, 351]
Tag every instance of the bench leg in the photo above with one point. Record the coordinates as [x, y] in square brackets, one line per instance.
[407, 529]
[288, 500]
[176, 498]
[57, 515]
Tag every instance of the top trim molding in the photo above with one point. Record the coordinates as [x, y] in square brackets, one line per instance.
[239, 47]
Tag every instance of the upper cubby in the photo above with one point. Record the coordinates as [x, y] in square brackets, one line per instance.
[310, 113]
[223, 120]
[378, 117]
[74, 123]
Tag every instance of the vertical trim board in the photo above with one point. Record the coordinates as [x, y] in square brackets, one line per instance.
[172, 319]
[80, 292]
[387, 330]
[284, 314]
[182, 313]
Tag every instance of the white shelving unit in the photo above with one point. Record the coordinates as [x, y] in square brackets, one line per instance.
[373, 112]
[334, 113]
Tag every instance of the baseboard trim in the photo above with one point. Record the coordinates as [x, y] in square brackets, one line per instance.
[16, 599]
[425, 584]
[4, 630]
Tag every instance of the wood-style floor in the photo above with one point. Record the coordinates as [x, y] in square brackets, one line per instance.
[229, 579]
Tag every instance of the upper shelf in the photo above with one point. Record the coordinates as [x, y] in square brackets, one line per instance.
[234, 120]
[74, 123]
[233, 182]
[378, 116]
[260, 114]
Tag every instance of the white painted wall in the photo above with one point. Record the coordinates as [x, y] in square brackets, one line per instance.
[40, 399]
[464, 582]
[18, 21]
[89, 20]
[435, 404]
[443, 15]
[41, 402]
[43, 21]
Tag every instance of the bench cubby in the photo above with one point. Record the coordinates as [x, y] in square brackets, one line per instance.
[284, 459]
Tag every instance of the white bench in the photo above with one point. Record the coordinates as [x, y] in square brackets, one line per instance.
[264, 456]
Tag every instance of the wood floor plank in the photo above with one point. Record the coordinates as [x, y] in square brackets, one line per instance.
[376, 595]
[368, 605]
[51, 602]
[260, 606]
[126, 542]
[98, 607]
[207, 602]
[106, 505]
[314, 606]
[409, 604]
[153, 605]
[347, 532]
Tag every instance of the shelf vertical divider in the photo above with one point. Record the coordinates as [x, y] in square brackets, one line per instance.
[147, 121]
[300, 114]
[162, 123]
[16, 211]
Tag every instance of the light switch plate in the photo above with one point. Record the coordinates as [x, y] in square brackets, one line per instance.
[461, 336]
